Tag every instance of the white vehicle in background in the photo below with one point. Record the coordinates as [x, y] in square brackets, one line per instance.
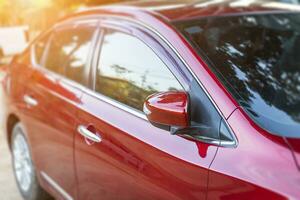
[13, 40]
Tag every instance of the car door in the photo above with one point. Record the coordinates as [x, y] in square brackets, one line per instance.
[118, 153]
[52, 95]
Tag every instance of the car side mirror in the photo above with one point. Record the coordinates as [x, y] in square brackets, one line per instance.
[168, 110]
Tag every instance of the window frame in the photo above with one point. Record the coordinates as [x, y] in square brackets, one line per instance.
[171, 58]
[62, 25]
[106, 25]
[145, 45]
[32, 47]
[150, 41]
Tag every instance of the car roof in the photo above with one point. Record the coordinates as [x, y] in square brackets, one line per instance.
[175, 10]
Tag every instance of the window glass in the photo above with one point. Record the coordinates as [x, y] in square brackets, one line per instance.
[129, 71]
[39, 48]
[257, 58]
[68, 51]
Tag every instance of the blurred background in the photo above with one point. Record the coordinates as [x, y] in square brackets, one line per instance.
[22, 20]
[39, 14]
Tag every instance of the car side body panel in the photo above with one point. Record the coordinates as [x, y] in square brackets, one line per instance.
[261, 167]
[51, 128]
[136, 160]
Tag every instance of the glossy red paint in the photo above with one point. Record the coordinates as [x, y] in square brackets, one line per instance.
[264, 170]
[145, 160]
[168, 108]
[50, 123]
[136, 160]
[294, 144]
[137, 154]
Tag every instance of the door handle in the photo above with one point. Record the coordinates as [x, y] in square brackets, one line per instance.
[85, 132]
[30, 101]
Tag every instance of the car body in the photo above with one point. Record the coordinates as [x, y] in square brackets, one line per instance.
[128, 157]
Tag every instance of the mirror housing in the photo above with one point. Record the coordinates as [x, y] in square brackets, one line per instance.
[168, 109]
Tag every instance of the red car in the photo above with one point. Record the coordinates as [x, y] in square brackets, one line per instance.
[164, 100]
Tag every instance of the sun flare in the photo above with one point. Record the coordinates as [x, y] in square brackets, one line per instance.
[40, 3]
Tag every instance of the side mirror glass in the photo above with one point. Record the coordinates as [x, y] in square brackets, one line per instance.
[168, 109]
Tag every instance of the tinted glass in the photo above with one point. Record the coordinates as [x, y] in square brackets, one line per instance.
[129, 71]
[68, 51]
[258, 58]
[39, 48]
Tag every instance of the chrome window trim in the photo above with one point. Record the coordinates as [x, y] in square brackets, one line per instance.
[233, 143]
[33, 56]
[117, 104]
[212, 141]
[55, 186]
[86, 90]
[95, 59]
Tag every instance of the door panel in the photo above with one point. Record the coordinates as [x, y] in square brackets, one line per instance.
[48, 118]
[136, 160]
[19, 73]
[56, 91]
[50, 126]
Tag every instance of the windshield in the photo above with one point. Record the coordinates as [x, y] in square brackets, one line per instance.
[257, 57]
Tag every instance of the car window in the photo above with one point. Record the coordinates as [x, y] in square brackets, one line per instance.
[257, 59]
[129, 71]
[68, 51]
[39, 48]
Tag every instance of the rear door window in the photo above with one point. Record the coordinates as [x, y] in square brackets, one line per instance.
[69, 51]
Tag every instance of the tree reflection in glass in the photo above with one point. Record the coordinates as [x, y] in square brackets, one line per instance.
[129, 71]
[258, 58]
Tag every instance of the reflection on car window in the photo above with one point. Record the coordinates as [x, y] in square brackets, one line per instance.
[258, 59]
[129, 71]
[68, 51]
[39, 48]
